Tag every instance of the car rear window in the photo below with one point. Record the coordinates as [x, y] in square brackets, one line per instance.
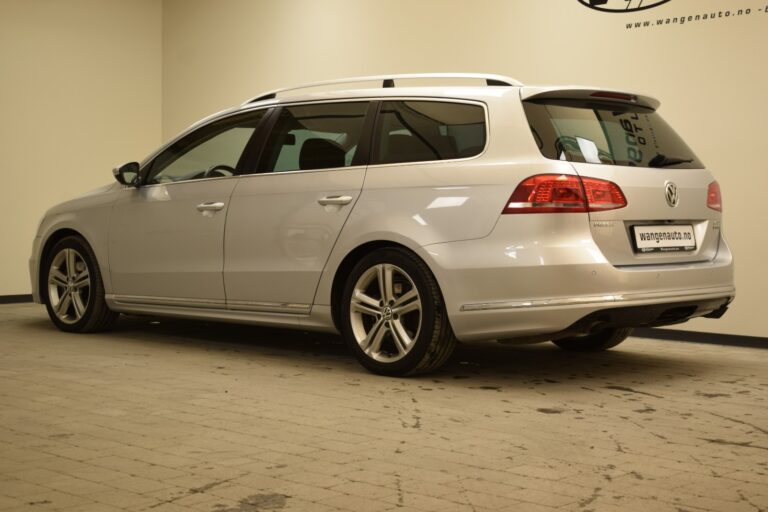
[609, 134]
[422, 131]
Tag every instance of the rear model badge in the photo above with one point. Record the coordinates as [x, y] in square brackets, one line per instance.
[670, 192]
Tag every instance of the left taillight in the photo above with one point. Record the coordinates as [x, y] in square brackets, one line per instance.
[561, 193]
[714, 200]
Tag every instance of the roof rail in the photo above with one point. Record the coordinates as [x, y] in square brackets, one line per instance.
[389, 81]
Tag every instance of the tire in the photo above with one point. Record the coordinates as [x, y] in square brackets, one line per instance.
[409, 334]
[597, 342]
[73, 288]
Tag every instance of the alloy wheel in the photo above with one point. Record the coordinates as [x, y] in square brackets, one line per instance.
[385, 313]
[69, 285]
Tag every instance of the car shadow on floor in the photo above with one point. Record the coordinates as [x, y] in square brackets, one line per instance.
[480, 364]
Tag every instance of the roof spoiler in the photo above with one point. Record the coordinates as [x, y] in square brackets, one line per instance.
[576, 92]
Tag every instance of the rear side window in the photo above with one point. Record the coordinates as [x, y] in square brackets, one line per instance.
[610, 134]
[421, 131]
[319, 136]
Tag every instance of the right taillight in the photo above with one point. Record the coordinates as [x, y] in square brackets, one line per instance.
[714, 200]
[561, 193]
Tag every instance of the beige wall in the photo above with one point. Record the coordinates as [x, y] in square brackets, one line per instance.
[93, 63]
[79, 92]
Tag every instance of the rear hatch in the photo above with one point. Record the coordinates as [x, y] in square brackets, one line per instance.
[672, 202]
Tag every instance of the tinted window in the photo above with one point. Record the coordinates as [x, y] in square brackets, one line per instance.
[319, 136]
[607, 134]
[212, 151]
[418, 131]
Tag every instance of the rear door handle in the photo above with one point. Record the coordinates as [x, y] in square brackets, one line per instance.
[210, 206]
[341, 200]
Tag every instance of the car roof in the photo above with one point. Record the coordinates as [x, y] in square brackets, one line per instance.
[448, 92]
[478, 93]
[491, 87]
[388, 81]
[443, 85]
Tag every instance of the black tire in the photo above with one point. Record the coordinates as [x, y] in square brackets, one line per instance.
[597, 342]
[95, 315]
[432, 343]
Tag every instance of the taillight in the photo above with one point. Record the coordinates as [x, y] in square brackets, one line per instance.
[714, 200]
[603, 195]
[560, 193]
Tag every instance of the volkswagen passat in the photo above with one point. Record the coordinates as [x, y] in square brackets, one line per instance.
[405, 218]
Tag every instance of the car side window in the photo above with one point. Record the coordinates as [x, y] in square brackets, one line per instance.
[421, 131]
[213, 151]
[317, 136]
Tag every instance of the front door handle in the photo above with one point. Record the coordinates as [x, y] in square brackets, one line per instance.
[210, 206]
[341, 200]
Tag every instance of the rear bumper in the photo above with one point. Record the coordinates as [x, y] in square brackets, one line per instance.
[704, 294]
[581, 315]
[546, 285]
[650, 315]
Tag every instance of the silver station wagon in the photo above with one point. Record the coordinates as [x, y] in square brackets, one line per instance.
[405, 213]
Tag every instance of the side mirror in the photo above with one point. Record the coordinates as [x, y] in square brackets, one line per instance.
[127, 174]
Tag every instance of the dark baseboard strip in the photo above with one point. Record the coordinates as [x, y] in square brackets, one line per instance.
[15, 299]
[701, 337]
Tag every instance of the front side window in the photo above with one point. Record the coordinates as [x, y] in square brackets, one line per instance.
[210, 152]
[420, 131]
[318, 136]
[609, 134]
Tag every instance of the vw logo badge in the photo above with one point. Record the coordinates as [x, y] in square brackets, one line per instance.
[670, 192]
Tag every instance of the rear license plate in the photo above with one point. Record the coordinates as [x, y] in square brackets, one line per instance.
[667, 238]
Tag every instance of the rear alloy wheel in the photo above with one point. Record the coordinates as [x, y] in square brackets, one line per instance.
[393, 317]
[599, 341]
[74, 291]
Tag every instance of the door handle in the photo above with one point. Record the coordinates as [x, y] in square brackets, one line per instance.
[210, 206]
[340, 200]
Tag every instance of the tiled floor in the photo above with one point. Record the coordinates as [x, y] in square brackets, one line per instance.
[216, 418]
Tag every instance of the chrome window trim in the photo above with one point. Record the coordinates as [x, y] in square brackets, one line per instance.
[298, 171]
[180, 182]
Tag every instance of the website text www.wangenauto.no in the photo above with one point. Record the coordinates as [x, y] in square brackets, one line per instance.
[693, 18]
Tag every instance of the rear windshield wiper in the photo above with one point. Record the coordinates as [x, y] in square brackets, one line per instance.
[666, 161]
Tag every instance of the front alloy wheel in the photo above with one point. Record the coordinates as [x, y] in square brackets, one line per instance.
[69, 286]
[392, 315]
[73, 289]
